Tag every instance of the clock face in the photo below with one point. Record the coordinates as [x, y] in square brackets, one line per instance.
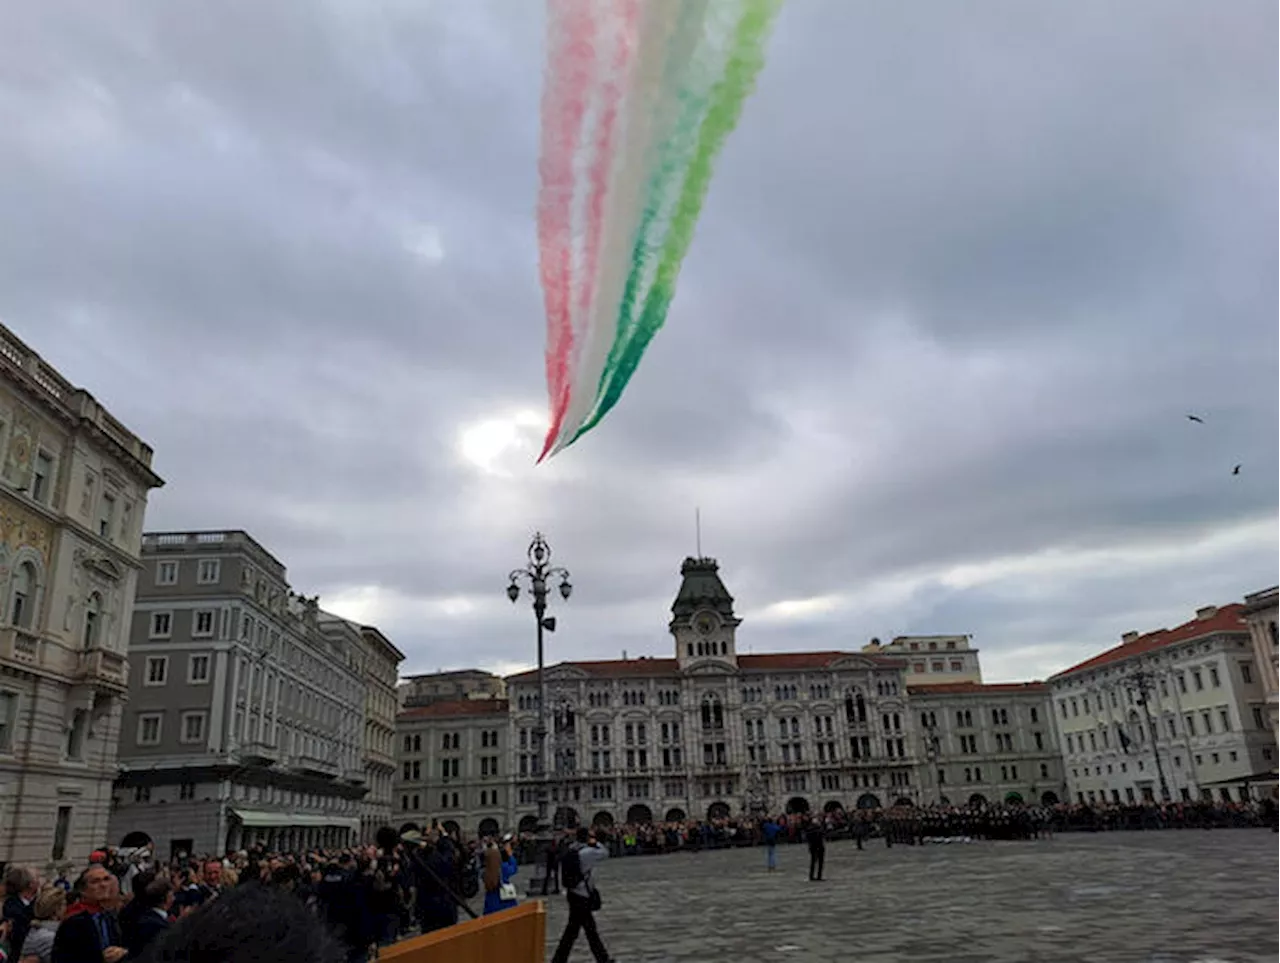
[705, 624]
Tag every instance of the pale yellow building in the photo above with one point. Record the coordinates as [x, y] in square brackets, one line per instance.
[932, 659]
[73, 493]
[1260, 614]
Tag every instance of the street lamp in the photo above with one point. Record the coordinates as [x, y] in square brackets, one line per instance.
[1142, 682]
[537, 573]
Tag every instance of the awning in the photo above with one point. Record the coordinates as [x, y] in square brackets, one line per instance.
[267, 818]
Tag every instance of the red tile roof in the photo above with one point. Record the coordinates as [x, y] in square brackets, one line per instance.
[975, 688]
[1229, 618]
[455, 708]
[765, 662]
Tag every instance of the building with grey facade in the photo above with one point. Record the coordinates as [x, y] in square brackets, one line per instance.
[73, 493]
[247, 705]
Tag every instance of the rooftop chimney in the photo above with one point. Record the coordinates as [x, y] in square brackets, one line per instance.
[1128, 637]
[1208, 612]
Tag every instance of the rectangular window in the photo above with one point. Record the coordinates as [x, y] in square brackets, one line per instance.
[157, 670]
[106, 515]
[1197, 680]
[1225, 718]
[166, 573]
[42, 479]
[161, 625]
[192, 727]
[1246, 673]
[197, 669]
[149, 729]
[8, 719]
[209, 571]
[202, 624]
[1214, 680]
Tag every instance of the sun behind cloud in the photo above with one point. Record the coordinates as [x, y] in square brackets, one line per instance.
[498, 445]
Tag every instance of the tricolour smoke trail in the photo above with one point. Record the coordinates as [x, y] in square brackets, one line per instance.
[668, 32]
[637, 179]
[617, 33]
[570, 61]
[743, 64]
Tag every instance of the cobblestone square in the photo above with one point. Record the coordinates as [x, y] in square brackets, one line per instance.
[1154, 897]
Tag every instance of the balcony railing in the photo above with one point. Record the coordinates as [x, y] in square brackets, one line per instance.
[103, 669]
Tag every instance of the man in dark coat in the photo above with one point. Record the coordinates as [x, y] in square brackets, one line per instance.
[817, 839]
[21, 884]
[90, 933]
[150, 919]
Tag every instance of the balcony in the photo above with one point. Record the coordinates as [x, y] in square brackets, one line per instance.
[20, 647]
[255, 752]
[101, 669]
[353, 775]
[314, 764]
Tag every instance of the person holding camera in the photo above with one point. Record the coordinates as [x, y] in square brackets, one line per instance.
[499, 868]
[584, 898]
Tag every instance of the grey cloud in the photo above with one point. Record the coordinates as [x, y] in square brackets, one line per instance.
[958, 279]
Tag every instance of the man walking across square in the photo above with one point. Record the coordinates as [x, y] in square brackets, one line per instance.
[584, 898]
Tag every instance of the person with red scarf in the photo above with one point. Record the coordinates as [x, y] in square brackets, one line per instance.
[90, 933]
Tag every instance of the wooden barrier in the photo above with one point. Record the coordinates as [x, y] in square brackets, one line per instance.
[517, 935]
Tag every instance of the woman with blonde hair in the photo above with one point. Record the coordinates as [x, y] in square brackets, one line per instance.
[499, 868]
[50, 906]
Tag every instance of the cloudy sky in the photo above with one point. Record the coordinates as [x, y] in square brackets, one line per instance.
[962, 273]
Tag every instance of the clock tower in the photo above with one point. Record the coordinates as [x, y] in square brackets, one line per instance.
[702, 620]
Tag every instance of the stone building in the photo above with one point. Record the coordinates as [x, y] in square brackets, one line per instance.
[698, 733]
[992, 743]
[1187, 702]
[1260, 614]
[73, 493]
[454, 765]
[421, 690]
[932, 659]
[247, 709]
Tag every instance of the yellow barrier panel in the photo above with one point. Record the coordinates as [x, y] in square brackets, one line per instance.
[517, 935]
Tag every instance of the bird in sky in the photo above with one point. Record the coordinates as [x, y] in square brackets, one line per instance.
[1196, 418]
[1236, 470]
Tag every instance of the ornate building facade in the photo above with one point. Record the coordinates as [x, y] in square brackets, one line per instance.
[650, 738]
[73, 492]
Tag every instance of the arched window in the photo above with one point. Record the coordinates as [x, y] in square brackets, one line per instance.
[92, 620]
[724, 648]
[712, 713]
[23, 602]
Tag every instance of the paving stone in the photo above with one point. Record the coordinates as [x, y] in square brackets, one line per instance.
[1158, 897]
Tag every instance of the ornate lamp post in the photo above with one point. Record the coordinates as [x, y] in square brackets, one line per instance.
[1142, 682]
[537, 572]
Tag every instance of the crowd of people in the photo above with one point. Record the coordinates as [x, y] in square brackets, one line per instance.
[344, 904]
[124, 904]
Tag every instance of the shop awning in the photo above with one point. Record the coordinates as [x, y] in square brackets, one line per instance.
[281, 820]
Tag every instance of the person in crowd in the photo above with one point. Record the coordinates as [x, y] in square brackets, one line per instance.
[769, 831]
[344, 904]
[141, 926]
[50, 906]
[816, 836]
[21, 885]
[6, 929]
[499, 868]
[249, 924]
[435, 872]
[90, 932]
[584, 899]
[554, 852]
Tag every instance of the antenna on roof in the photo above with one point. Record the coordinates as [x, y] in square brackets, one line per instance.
[697, 529]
